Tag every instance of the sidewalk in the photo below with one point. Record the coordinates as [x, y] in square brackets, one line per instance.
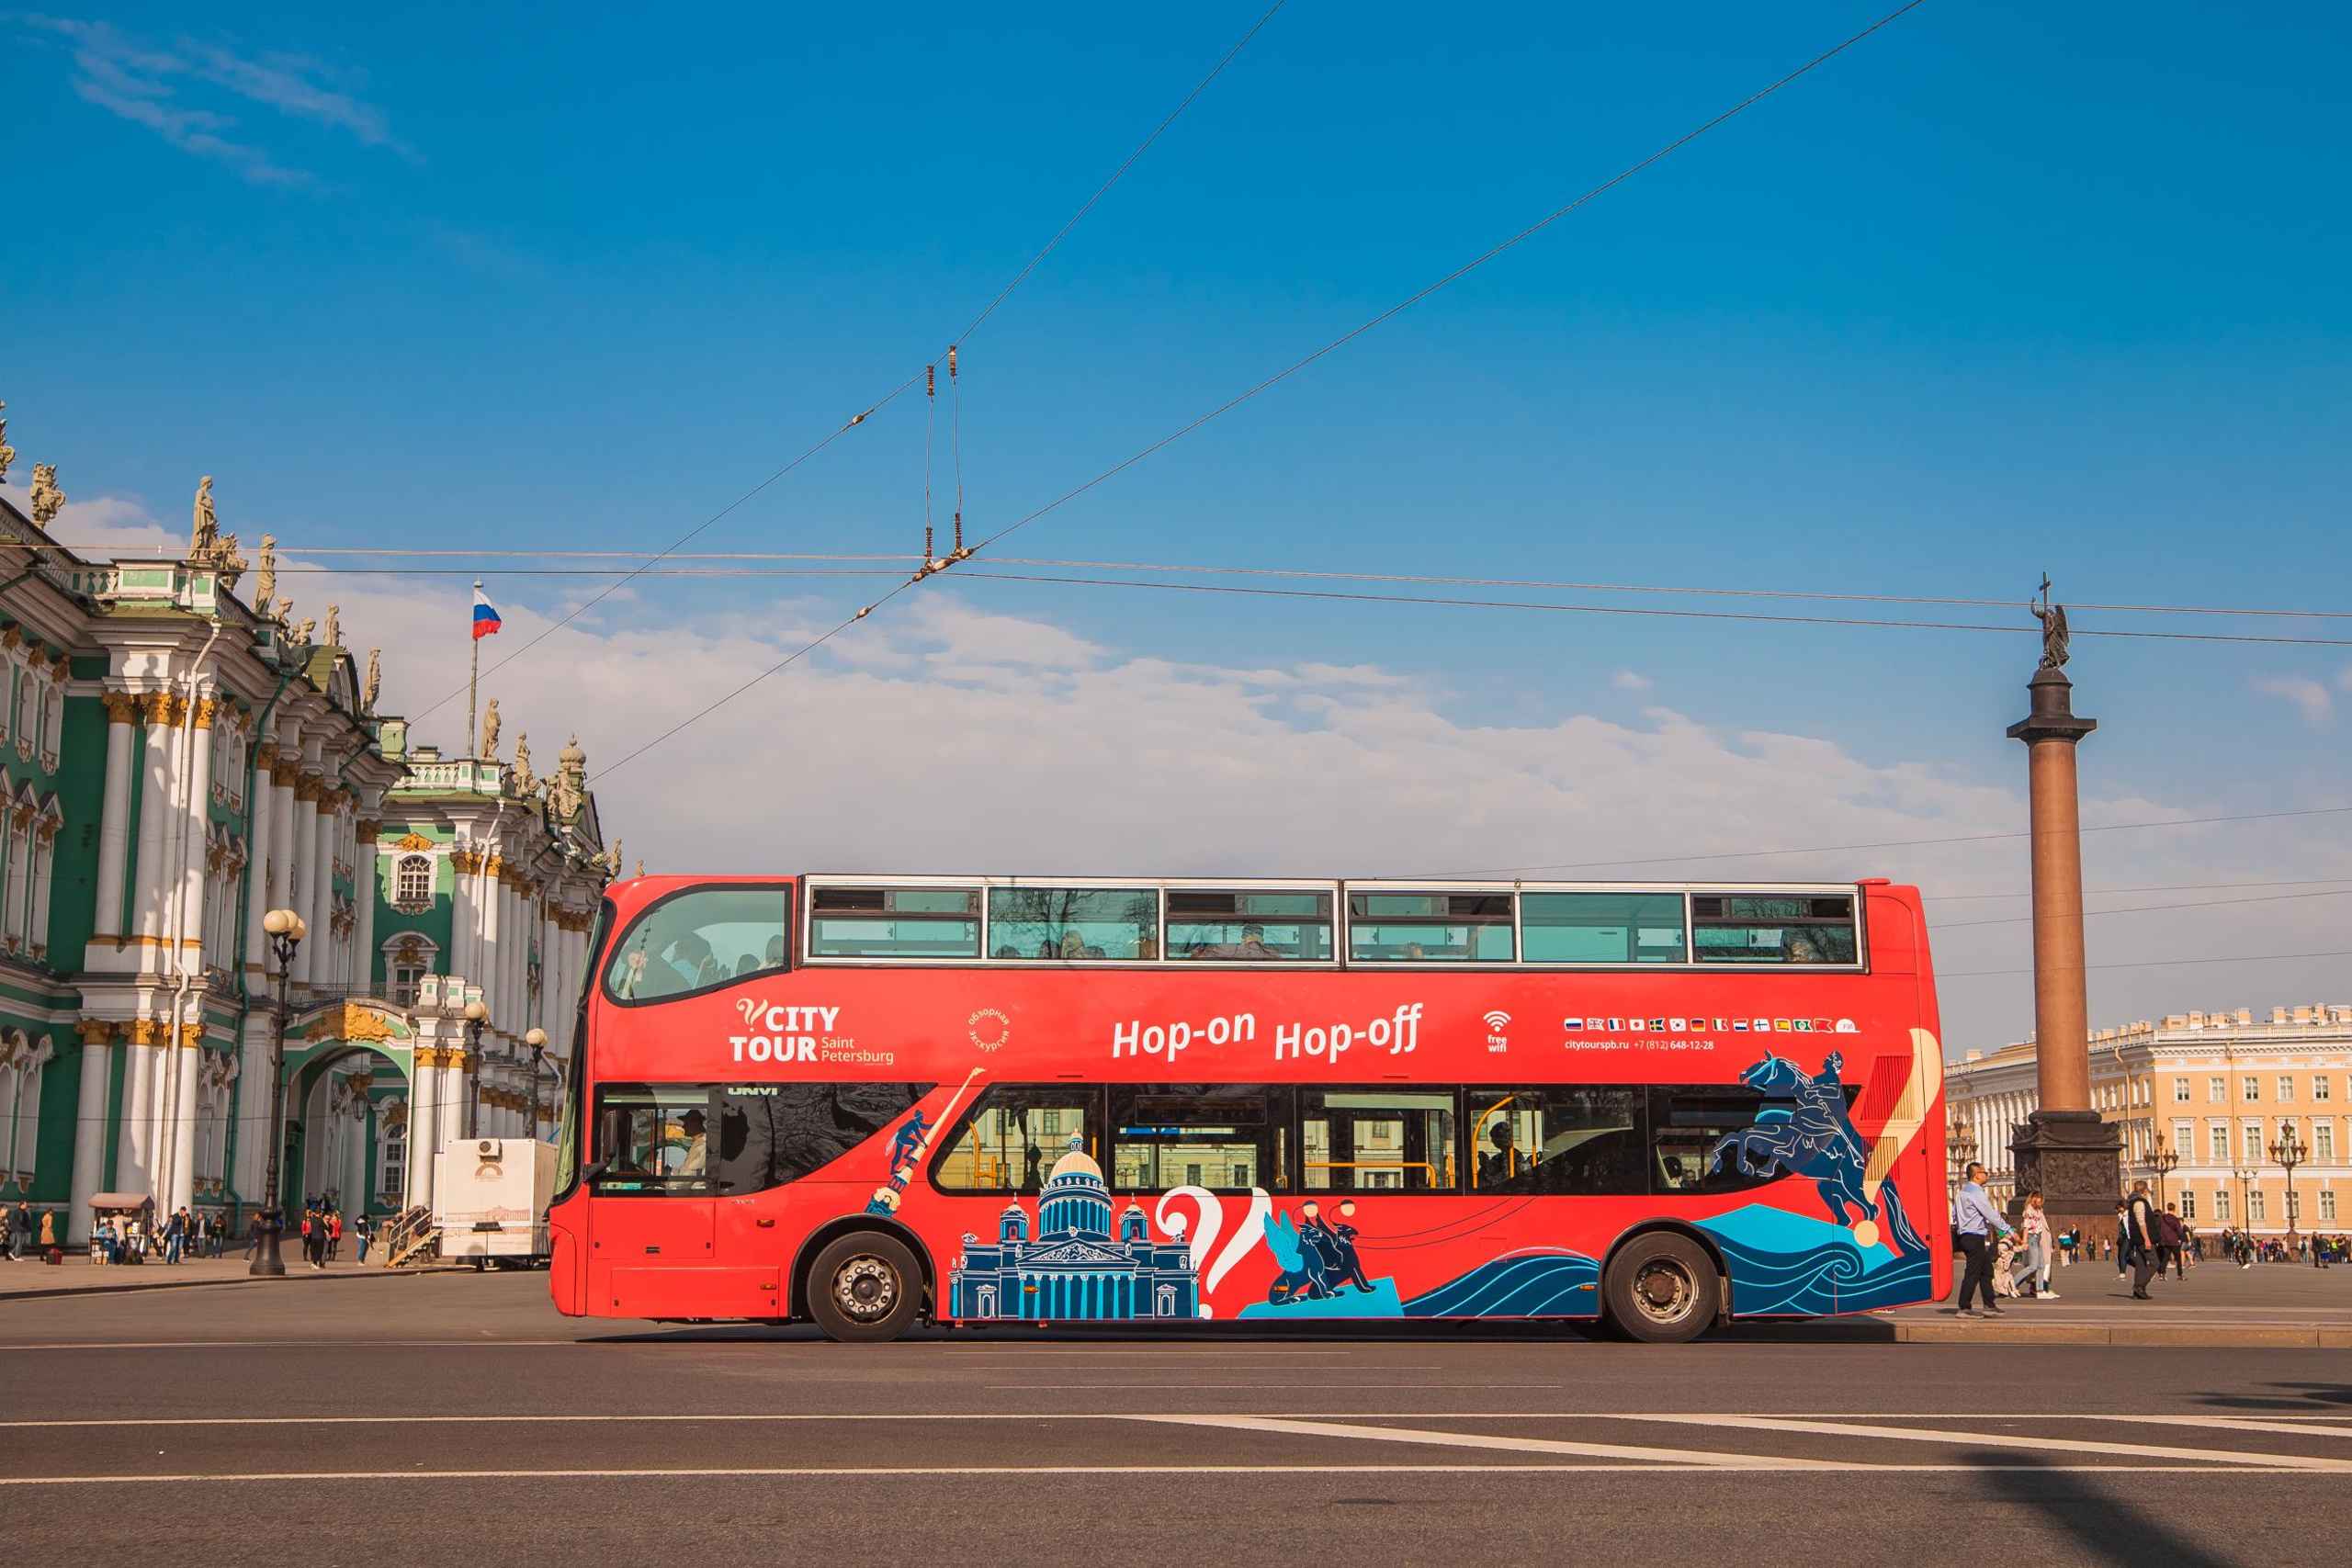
[27, 1280]
[2219, 1305]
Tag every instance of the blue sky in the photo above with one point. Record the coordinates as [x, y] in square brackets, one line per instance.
[2007, 288]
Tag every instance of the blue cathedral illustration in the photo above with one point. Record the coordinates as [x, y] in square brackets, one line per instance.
[1073, 1270]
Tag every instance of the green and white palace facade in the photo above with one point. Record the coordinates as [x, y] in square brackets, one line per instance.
[176, 764]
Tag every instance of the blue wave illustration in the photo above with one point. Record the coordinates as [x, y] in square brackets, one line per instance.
[1787, 1265]
[1518, 1284]
[1345, 1301]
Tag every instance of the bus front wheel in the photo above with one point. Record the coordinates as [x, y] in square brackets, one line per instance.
[1662, 1289]
[865, 1287]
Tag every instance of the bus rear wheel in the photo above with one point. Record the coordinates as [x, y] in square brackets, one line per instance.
[1662, 1289]
[863, 1288]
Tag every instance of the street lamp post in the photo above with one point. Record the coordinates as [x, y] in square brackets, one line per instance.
[537, 1039]
[2163, 1161]
[1960, 1144]
[2244, 1174]
[477, 1015]
[2288, 1150]
[285, 931]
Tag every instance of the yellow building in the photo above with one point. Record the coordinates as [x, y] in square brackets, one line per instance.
[2200, 1099]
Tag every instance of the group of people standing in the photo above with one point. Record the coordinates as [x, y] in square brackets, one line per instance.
[2013, 1261]
[22, 1235]
[321, 1229]
[135, 1237]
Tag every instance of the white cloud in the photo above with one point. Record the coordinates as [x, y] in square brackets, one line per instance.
[2308, 695]
[141, 82]
[942, 734]
[1631, 680]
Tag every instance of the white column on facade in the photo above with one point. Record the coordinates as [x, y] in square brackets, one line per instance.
[114, 831]
[348, 830]
[304, 872]
[258, 842]
[320, 913]
[518, 961]
[489, 887]
[461, 910]
[423, 1115]
[135, 1151]
[365, 869]
[152, 879]
[187, 1059]
[277, 872]
[90, 1126]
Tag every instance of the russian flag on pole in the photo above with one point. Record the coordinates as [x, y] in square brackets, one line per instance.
[486, 621]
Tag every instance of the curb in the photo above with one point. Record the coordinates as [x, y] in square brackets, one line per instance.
[314, 1275]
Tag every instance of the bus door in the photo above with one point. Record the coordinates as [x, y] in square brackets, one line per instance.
[651, 1214]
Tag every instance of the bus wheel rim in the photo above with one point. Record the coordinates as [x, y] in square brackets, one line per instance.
[867, 1287]
[1665, 1290]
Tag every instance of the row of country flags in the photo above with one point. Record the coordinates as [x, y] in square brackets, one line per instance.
[1723, 1025]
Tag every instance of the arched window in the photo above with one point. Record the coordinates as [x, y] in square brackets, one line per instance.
[412, 883]
[21, 1061]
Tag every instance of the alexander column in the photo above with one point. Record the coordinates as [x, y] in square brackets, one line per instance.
[2065, 1150]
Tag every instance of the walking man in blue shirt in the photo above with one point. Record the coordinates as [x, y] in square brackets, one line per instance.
[1975, 1223]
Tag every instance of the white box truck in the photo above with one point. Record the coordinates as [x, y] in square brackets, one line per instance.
[490, 1199]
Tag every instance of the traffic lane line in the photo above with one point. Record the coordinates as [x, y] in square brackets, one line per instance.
[880, 1440]
[2038, 1442]
[1516, 1443]
[2317, 1421]
[1243, 1472]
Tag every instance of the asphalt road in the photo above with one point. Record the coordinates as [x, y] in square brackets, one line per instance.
[456, 1419]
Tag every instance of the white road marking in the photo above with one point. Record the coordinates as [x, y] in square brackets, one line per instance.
[2002, 1440]
[1282, 1427]
[2240, 1424]
[1189, 1387]
[559, 1417]
[853, 1473]
[282, 1344]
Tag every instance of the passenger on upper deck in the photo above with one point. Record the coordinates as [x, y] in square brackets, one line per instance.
[1800, 950]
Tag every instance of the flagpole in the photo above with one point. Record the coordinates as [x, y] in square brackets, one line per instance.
[473, 679]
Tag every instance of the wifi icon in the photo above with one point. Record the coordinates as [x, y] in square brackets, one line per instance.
[1499, 1020]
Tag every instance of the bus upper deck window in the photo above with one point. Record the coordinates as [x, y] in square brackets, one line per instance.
[1777, 928]
[1428, 927]
[1249, 925]
[1074, 924]
[699, 939]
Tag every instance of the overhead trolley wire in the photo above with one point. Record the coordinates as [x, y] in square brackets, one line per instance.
[1893, 844]
[988, 309]
[1170, 568]
[2146, 964]
[1336, 595]
[2148, 908]
[2160, 887]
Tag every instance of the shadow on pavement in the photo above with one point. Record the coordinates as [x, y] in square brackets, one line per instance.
[2293, 1396]
[2104, 1526]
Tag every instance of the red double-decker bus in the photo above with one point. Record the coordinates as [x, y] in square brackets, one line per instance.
[875, 1101]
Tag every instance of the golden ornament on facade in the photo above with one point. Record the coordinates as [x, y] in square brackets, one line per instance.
[122, 708]
[352, 1020]
[96, 1030]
